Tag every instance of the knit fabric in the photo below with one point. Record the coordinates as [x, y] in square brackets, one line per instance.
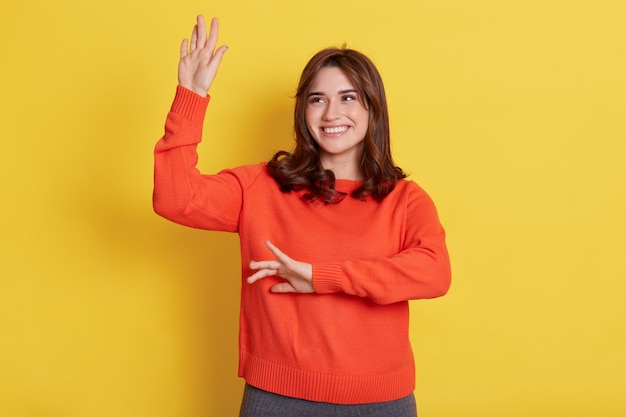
[348, 342]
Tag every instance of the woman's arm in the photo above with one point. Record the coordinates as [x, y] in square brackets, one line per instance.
[421, 270]
[181, 193]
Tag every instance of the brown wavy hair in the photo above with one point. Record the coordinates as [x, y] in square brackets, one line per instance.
[302, 169]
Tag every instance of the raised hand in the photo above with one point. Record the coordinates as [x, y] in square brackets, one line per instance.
[298, 276]
[199, 60]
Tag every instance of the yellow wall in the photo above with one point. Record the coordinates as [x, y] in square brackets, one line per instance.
[512, 114]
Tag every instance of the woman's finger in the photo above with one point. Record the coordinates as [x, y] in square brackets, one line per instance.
[260, 274]
[217, 59]
[265, 265]
[183, 48]
[194, 38]
[213, 34]
[283, 287]
[280, 255]
[201, 36]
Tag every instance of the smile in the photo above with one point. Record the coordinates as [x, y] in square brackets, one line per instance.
[335, 130]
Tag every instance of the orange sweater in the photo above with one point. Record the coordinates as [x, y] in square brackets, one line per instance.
[347, 343]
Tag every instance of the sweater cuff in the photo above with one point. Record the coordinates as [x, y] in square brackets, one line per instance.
[190, 105]
[327, 278]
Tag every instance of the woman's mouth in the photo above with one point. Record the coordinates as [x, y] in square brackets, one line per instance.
[334, 130]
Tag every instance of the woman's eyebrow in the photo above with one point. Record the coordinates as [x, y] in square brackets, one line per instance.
[319, 93]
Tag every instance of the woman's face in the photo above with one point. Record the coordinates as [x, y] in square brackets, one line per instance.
[336, 117]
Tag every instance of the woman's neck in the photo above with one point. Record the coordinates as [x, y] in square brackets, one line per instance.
[343, 169]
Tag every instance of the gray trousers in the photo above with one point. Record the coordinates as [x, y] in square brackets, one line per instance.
[259, 403]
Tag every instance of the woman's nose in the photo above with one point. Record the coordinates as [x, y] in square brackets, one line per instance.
[332, 111]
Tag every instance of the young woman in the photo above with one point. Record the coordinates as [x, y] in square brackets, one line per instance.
[334, 240]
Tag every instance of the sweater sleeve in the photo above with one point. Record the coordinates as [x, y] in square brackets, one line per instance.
[181, 193]
[420, 270]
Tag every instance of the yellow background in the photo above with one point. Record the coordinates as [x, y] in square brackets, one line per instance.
[512, 115]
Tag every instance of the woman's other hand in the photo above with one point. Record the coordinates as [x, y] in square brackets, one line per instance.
[298, 276]
[199, 60]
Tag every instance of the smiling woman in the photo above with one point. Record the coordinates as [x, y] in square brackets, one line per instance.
[327, 278]
[337, 120]
[342, 130]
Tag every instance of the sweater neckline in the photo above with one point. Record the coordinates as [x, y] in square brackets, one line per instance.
[347, 185]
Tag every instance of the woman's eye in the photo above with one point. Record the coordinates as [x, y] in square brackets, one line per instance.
[315, 100]
[349, 98]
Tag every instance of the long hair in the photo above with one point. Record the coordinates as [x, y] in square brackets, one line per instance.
[302, 169]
